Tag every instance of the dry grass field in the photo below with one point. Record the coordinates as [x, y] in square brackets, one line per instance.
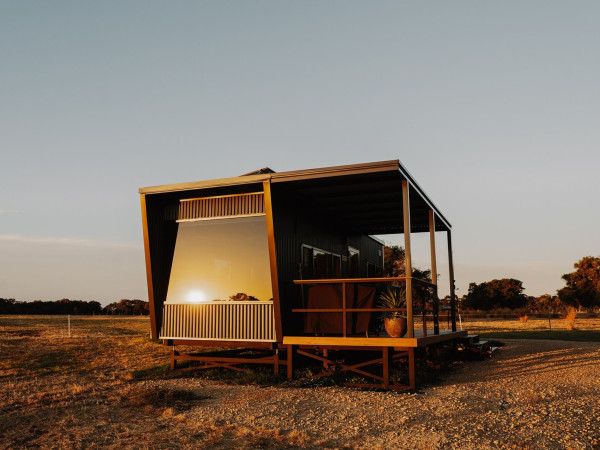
[586, 328]
[108, 386]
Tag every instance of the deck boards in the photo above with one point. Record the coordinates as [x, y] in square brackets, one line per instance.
[378, 341]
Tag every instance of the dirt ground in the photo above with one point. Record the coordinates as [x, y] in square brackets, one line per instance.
[107, 386]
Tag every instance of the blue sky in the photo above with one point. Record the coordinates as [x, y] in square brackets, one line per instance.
[493, 107]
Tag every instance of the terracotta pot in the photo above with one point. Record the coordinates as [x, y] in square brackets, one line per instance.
[396, 327]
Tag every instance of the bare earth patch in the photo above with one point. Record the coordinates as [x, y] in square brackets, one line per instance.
[80, 392]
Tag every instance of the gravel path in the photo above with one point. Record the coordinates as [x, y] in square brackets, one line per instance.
[532, 394]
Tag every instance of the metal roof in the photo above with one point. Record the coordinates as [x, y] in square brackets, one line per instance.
[367, 197]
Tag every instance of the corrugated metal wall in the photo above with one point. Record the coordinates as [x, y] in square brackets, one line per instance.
[298, 222]
[162, 233]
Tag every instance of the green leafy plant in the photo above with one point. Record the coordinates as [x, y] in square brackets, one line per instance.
[393, 297]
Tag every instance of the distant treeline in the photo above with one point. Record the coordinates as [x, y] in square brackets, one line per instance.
[582, 291]
[124, 307]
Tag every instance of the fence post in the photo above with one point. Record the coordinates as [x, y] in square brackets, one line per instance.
[549, 322]
[69, 325]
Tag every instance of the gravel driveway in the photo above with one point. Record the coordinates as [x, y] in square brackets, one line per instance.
[532, 394]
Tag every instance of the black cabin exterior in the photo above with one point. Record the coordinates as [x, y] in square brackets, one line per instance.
[246, 262]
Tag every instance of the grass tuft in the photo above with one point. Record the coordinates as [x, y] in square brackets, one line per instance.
[164, 398]
[157, 372]
[48, 362]
[570, 318]
[255, 375]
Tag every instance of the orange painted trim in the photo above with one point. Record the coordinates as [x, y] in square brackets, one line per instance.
[273, 260]
[153, 325]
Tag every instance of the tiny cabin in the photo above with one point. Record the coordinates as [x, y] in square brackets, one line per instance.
[289, 264]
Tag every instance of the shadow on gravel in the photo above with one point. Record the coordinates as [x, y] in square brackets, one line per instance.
[431, 371]
[522, 358]
[555, 335]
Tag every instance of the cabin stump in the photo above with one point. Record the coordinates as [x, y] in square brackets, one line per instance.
[290, 361]
[381, 377]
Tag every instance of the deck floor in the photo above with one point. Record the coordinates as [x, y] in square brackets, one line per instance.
[376, 341]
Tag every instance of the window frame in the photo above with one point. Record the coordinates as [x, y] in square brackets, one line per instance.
[356, 251]
[331, 269]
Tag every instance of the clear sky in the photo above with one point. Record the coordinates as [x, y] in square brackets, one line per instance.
[494, 107]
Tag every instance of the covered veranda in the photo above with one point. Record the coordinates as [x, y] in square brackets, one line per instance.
[375, 199]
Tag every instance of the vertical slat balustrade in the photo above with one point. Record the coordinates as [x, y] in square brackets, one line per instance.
[223, 206]
[236, 321]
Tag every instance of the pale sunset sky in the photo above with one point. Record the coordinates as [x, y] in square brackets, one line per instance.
[494, 107]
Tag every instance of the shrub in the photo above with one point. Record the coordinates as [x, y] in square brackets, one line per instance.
[570, 318]
[524, 318]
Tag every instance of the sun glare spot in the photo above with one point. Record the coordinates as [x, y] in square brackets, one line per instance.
[196, 297]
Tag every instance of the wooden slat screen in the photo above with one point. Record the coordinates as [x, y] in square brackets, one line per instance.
[219, 321]
[222, 206]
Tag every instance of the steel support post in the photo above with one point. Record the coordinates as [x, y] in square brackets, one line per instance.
[436, 323]
[407, 258]
[451, 275]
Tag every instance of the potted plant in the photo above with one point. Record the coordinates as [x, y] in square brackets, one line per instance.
[394, 321]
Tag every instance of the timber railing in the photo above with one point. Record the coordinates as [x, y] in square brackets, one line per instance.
[219, 321]
[411, 283]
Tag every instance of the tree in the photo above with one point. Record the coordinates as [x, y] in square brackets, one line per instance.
[63, 306]
[393, 258]
[8, 306]
[545, 303]
[503, 293]
[583, 285]
[126, 307]
[394, 265]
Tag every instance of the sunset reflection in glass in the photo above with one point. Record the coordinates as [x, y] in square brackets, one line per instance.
[217, 259]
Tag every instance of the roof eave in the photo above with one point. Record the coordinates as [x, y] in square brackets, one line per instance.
[406, 174]
[298, 175]
[246, 179]
[353, 169]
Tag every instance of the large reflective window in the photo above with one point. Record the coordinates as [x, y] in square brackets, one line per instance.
[221, 259]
